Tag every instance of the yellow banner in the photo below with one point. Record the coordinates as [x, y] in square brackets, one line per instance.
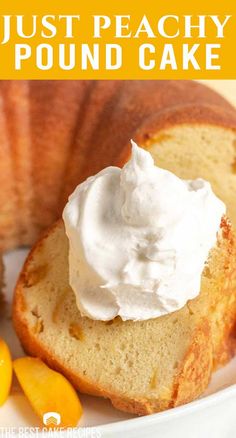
[117, 39]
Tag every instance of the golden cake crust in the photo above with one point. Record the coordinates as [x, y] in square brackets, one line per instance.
[2, 298]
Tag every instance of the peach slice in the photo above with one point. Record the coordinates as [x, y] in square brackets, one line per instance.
[5, 371]
[52, 397]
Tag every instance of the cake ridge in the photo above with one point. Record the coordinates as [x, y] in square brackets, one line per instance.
[18, 121]
[72, 171]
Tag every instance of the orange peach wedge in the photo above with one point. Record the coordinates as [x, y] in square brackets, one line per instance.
[5, 371]
[52, 397]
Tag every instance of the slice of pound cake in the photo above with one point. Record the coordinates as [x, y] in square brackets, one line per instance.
[141, 366]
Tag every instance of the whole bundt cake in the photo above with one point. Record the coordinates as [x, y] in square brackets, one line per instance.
[54, 134]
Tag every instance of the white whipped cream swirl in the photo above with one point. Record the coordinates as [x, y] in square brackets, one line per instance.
[138, 239]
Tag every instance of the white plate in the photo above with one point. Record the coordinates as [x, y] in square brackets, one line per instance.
[213, 415]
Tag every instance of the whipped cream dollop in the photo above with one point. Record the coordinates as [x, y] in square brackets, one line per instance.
[138, 239]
